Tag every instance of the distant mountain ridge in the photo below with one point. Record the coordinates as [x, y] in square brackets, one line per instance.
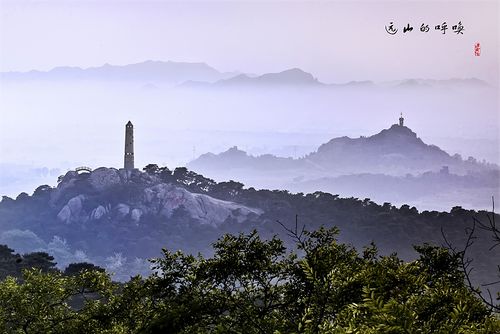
[147, 71]
[394, 165]
[412, 83]
[237, 158]
[199, 74]
[397, 146]
[294, 76]
[393, 151]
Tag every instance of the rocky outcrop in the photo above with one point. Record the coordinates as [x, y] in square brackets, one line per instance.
[98, 212]
[150, 196]
[135, 215]
[165, 198]
[72, 209]
[66, 183]
[212, 210]
[65, 214]
[122, 210]
[103, 178]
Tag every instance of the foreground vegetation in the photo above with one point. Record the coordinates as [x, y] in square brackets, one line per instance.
[252, 285]
[100, 228]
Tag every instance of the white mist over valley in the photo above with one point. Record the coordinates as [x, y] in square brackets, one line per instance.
[68, 117]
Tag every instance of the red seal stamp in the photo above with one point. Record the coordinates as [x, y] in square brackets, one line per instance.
[477, 49]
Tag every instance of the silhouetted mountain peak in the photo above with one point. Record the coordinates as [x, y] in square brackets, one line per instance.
[395, 131]
[293, 76]
[444, 83]
[232, 155]
[396, 139]
[150, 71]
[234, 151]
[397, 147]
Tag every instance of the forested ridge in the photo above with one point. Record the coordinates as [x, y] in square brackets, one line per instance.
[305, 264]
[252, 285]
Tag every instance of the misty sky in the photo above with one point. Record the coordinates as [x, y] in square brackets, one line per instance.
[59, 125]
[336, 41]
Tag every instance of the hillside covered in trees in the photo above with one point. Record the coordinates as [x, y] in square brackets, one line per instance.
[117, 219]
[251, 285]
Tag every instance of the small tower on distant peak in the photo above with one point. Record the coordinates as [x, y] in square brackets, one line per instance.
[401, 120]
[129, 146]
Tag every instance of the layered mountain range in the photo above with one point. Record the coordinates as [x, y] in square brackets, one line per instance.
[119, 218]
[396, 150]
[396, 158]
[200, 74]
[148, 71]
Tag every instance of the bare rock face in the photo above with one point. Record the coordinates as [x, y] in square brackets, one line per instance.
[165, 198]
[72, 209]
[122, 210]
[214, 211]
[135, 215]
[67, 182]
[98, 212]
[103, 178]
[65, 214]
[150, 196]
[75, 204]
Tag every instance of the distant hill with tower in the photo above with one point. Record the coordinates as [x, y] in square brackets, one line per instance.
[394, 165]
[117, 218]
[394, 151]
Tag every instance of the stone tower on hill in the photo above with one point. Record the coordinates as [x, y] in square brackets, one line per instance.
[129, 146]
[401, 120]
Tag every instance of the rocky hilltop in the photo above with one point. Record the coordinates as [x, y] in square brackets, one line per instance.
[396, 150]
[393, 151]
[119, 218]
[394, 165]
[102, 189]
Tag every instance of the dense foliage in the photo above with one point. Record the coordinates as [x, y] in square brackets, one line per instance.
[252, 285]
[12, 264]
[31, 222]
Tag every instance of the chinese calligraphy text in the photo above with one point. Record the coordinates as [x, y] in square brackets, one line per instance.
[458, 28]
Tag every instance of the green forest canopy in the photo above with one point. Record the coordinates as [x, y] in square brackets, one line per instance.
[251, 285]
